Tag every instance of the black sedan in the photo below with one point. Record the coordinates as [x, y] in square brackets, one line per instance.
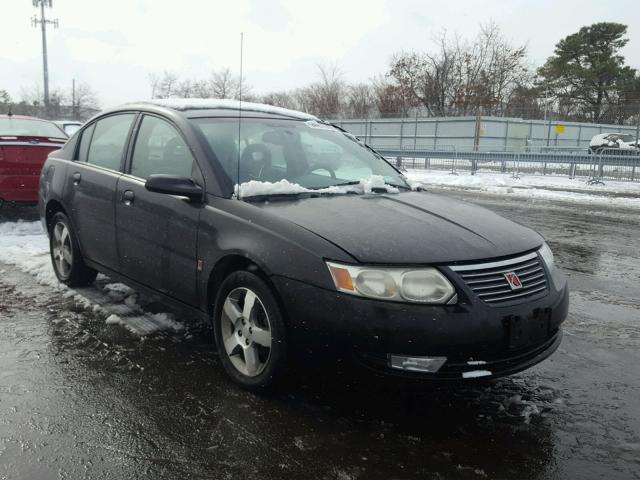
[285, 231]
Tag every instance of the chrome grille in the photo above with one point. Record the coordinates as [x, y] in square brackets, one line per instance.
[488, 281]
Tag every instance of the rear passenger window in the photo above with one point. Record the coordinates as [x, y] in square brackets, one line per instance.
[160, 148]
[85, 140]
[109, 140]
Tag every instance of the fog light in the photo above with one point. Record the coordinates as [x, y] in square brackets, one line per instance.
[417, 364]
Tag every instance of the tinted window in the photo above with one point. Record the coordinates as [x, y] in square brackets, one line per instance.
[85, 140]
[109, 140]
[160, 148]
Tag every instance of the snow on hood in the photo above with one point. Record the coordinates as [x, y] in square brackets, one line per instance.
[219, 103]
[255, 188]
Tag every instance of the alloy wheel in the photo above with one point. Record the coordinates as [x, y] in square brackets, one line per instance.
[246, 332]
[62, 249]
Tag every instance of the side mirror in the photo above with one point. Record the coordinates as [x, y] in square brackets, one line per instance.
[173, 185]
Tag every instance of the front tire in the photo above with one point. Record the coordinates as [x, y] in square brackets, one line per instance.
[68, 264]
[249, 331]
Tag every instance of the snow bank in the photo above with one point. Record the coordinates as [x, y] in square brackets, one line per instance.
[476, 374]
[542, 187]
[283, 187]
[26, 246]
[146, 324]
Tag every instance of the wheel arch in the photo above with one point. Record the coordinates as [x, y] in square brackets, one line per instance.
[234, 262]
[53, 207]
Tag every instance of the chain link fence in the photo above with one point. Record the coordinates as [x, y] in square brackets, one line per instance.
[501, 145]
[608, 164]
[480, 133]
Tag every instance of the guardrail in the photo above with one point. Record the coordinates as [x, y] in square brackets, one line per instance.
[607, 164]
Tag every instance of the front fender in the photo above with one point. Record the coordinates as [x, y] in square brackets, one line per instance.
[277, 246]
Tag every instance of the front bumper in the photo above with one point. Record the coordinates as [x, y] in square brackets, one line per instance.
[472, 335]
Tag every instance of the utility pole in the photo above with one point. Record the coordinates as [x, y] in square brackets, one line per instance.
[638, 127]
[478, 128]
[42, 21]
[74, 110]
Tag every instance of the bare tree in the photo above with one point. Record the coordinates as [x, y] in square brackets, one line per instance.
[184, 89]
[222, 84]
[280, 99]
[389, 99]
[225, 84]
[324, 97]
[154, 81]
[32, 95]
[459, 76]
[360, 100]
[83, 99]
[85, 96]
[200, 89]
[164, 86]
[5, 98]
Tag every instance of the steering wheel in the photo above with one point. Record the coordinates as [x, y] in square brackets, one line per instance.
[323, 166]
[256, 158]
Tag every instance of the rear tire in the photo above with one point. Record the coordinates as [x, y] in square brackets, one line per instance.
[67, 260]
[249, 331]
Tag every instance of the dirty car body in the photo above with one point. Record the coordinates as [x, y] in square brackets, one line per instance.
[405, 281]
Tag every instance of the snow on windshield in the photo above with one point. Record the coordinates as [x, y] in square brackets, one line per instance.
[255, 188]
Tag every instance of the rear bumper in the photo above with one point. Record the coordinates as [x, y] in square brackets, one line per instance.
[19, 188]
[475, 338]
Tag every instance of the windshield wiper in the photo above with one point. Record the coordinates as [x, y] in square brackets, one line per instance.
[277, 196]
[358, 182]
[405, 187]
[287, 196]
[344, 184]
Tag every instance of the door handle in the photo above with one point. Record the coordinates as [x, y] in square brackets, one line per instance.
[76, 178]
[127, 197]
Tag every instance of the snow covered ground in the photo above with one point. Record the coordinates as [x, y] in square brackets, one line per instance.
[626, 194]
[25, 245]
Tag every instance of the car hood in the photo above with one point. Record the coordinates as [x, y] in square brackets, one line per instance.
[407, 228]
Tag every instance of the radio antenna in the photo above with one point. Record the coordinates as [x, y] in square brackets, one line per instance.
[239, 112]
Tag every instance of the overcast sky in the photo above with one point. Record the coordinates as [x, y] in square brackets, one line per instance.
[114, 45]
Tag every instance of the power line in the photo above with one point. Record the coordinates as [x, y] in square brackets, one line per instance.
[42, 21]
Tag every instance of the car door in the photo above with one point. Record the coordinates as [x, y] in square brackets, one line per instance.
[157, 233]
[91, 186]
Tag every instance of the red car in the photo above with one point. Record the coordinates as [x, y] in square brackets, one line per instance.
[25, 143]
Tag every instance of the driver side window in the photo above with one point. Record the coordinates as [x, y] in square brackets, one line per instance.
[160, 149]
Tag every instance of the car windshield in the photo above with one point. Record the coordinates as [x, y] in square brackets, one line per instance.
[306, 155]
[22, 127]
[627, 138]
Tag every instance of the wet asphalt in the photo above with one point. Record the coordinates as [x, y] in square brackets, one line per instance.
[82, 399]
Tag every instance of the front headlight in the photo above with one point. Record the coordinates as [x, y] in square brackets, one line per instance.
[423, 285]
[547, 256]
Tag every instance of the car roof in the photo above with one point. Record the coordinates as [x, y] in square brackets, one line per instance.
[202, 107]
